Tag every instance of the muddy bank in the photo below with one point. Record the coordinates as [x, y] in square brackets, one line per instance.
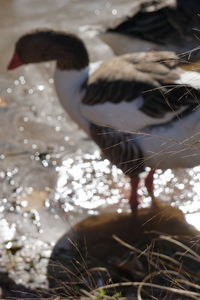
[120, 248]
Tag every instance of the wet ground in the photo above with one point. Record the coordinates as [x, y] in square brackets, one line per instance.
[51, 174]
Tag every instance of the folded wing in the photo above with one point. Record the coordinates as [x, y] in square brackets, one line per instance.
[135, 91]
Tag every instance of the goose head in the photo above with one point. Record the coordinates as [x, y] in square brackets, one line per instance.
[39, 46]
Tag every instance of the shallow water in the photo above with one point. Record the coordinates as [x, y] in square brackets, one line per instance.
[51, 174]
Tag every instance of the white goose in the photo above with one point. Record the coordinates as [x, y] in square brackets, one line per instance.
[170, 25]
[143, 96]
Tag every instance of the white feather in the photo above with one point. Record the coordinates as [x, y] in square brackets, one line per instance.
[190, 78]
[68, 87]
[123, 116]
[176, 145]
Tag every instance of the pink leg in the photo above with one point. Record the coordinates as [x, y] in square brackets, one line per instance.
[149, 182]
[133, 200]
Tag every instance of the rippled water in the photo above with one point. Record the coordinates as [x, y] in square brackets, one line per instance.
[51, 174]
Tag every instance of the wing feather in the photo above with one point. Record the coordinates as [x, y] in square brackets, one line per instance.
[134, 91]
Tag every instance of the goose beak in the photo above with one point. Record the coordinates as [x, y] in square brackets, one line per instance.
[14, 62]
